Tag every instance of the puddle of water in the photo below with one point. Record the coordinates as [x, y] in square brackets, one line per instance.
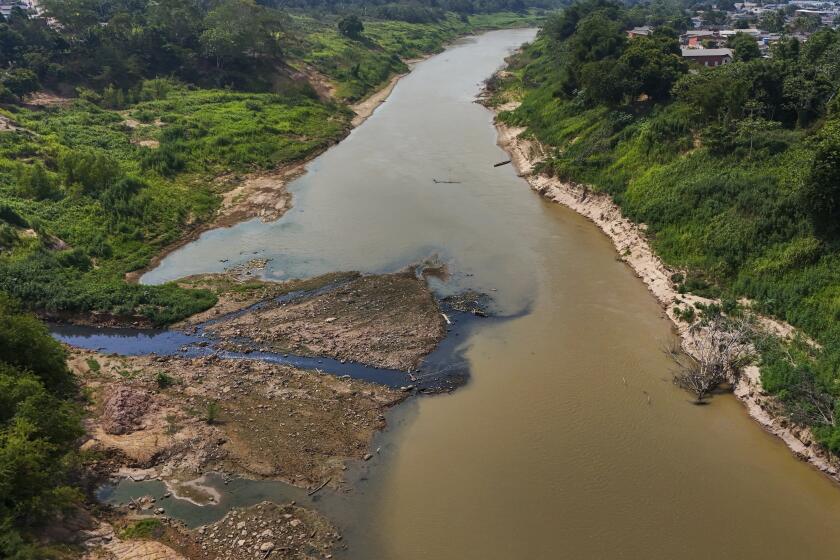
[236, 493]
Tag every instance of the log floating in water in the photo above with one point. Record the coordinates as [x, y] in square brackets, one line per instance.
[501, 163]
[446, 182]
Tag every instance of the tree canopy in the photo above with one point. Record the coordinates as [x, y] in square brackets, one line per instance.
[39, 424]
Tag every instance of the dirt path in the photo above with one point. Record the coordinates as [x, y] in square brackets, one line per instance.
[632, 245]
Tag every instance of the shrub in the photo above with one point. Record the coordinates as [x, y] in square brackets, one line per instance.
[143, 529]
[164, 380]
[211, 412]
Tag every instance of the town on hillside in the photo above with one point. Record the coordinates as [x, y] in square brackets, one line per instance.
[716, 30]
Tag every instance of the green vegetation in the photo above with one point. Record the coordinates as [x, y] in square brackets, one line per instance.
[735, 170]
[143, 529]
[93, 189]
[417, 11]
[358, 66]
[93, 365]
[39, 425]
[211, 412]
[164, 380]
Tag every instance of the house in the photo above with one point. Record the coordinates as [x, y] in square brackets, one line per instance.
[642, 31]
[694, 37]
[826, 16]
[708, 57]
[6, 6]
[728, 33]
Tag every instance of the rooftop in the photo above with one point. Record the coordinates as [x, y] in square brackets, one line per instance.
[706, 52]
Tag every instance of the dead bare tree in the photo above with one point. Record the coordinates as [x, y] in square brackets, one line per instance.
[716, 350]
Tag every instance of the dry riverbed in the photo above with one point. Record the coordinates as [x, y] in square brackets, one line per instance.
[389, 321]
[176, 418]
[266, 530]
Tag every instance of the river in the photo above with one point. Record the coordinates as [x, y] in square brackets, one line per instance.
[569, 441]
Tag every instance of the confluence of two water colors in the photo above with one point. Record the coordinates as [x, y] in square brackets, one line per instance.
[456, 428]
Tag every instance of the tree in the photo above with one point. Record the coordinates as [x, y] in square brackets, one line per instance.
[717, 349]
[20, 81]
[745, 47]
[654, 63]
[563, 25]
[821, 195]
[718, 93]
[11, 43]
[714, 17]
[77, 17]
[39, 424]
[34, 182]
[238, 30]
[807, 23]
[774, 22]
[351, 26]
[607, 81]
[597, 37]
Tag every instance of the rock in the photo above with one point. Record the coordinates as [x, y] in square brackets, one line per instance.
[368, 456]
[124, 409]
[266, 546]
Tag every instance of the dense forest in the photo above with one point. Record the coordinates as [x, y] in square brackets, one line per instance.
[425, 11]
[735, 170]
[39, 425]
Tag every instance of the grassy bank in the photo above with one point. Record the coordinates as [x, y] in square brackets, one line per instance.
[740, 200]
[93, 188]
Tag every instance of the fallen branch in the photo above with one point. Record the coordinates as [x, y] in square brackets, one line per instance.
[327, 481]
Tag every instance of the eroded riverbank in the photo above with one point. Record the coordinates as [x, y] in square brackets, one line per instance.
[634, 249]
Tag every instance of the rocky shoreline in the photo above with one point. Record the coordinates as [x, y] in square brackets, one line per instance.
[633, 248]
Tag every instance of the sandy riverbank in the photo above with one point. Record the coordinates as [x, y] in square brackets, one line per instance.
[633, 248]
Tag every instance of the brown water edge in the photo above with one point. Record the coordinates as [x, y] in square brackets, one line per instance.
[631, 242]
[571, 442]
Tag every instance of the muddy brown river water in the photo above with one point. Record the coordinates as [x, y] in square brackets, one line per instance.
[569, 441]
